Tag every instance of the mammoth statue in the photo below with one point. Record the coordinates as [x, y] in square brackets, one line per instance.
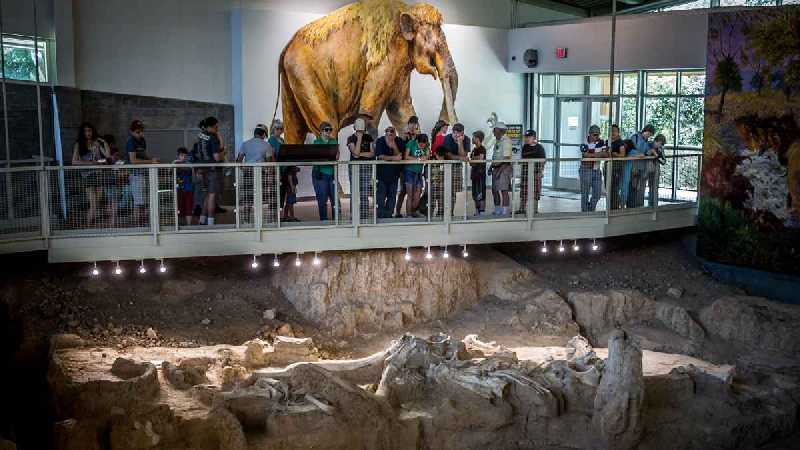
[357, 61]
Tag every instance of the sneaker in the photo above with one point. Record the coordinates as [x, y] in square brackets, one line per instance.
[419, 215]
[398, 216]
[520, 211]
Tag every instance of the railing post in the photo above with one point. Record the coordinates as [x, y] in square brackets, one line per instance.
[428, 189]
[236, 180]
[654, 186]
[258, 199]
[154, 203]
[175, 196]
[44, 204]
[674, 176]
[336, 198]
[10, 193]
[448, 190]
[375, 193]
[609, 185]
[530, 203]
[355, 195]
[465, 172]
[279, 196]
[513, 191]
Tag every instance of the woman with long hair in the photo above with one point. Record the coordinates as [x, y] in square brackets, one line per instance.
[90, 150]
[438, 134]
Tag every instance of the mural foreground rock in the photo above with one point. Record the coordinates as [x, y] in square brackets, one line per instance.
[435, 393]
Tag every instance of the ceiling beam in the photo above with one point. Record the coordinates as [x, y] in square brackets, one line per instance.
[559, 7]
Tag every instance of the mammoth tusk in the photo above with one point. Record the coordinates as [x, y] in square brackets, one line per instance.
[448, 101]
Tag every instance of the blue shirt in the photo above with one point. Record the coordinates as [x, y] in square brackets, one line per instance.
[640, 145]
[276, 145]
[138, 146]
[388, 172]
[451, 145]
[184, 178]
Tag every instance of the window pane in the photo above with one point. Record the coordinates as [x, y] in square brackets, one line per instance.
[547, 118]
[791, 2]
[630, 84]
[661, 83]
[660, 112]
[747, 3]
[547, 84]
[693, 83]
[690, 122]
[699, 4]
[627, 123]
[570, 84]
[599, 85]
[20, 62]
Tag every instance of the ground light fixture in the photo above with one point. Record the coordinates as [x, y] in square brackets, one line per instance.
[408, 255]
[254, 264]
[95, 270]
[575, 246]
[142, 268]
[428, 254]
[544, 247]
[445, 254]
[297, 261]
[561, 248]
[162, 268]
[316, 260]
[118, 269]
[465, 253]
[275, 261]
[595, 247]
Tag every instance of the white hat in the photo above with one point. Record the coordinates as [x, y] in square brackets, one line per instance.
[500, 125]
[360, 125]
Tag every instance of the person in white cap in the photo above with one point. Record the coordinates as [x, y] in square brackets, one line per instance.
[362, 148]
[501, 170]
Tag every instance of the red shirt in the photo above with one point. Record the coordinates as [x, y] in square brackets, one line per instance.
[438, 140]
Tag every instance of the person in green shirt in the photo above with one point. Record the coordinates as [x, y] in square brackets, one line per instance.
[323, 176]
[416, 149]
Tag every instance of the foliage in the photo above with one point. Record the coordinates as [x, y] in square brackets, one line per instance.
[20, 65]
[728, 76]
[777, 41]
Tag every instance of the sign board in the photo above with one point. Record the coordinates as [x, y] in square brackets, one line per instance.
[514, 132]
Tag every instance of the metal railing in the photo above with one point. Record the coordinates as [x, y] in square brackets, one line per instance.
[49, 202]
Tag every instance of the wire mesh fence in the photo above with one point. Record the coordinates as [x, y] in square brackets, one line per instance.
[244, 196]
[270, 196]
[167, 198]
[363, 192]
[99, 199]
[19, 203]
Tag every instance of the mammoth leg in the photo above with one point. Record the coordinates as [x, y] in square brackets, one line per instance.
[375, 94]
[400, 107]
[313, 102]
[295, 128]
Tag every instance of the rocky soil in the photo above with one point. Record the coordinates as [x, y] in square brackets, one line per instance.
[726, 364]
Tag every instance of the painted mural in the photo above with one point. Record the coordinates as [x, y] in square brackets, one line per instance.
[750, 207]
[357, 61]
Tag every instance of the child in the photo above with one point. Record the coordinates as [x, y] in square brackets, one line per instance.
[185, 187]
[478, 172]
[289, 184]
[416, 149]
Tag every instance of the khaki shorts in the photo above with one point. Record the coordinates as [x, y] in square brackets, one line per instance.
[501, 178]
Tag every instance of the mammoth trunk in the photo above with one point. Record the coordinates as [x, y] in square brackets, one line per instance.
[449, 80]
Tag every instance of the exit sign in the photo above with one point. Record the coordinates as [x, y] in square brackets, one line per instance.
[561, 53]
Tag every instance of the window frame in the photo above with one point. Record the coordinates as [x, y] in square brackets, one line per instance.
[46, 64]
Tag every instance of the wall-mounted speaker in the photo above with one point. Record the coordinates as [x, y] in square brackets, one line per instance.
[531, 58]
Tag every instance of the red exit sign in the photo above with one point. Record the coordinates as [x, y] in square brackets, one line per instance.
[561, 53]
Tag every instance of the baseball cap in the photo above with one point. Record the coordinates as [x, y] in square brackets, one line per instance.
[261, 127]
[594, 129]
[530, 133]
[500, 125]
[360, 125]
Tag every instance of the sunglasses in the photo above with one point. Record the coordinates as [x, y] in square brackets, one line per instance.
[327, 130]
[390, 130]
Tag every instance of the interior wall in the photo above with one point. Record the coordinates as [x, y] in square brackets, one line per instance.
[643, 41]
[172, 49]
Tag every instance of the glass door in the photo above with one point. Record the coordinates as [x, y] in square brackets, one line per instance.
[571, 129]
[600, 111]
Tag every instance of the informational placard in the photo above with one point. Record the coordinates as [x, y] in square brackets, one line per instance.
[514, 132]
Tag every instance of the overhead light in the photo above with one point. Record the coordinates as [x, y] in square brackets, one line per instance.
[445, 254]
[316, 260]
[576, 247]
[595, 247]
[544, 247]
[254, 264]
[118, 269]
[408, 255]
[465, 253]
[142, 268]
[561, 248]
[95, 270]
[297, 262]
[275, 261]
[428, 254]
[162, 268]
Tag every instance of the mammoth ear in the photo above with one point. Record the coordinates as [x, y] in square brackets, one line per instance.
[407, 26]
